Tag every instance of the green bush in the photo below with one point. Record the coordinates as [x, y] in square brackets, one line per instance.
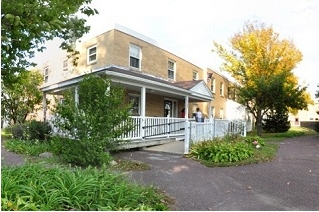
[43, 188]
[38, 130]
[80, 152]
[251, 139]
[276, 121]
[18, 131]
[220, 151]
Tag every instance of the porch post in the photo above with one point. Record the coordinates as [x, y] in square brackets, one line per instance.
[44, 107]
[187, 127]
[76, 96]
[143, 103]
[186, 107]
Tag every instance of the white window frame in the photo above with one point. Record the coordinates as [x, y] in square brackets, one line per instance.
[134, 96]
[89, 55]
[213, 85]
[46, 74]
[137, 56]
[221, 89]
[221, 113]
[171, 69]
[65, 65]
[213, 111]
[195, 75]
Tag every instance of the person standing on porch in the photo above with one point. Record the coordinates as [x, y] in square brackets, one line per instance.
[198, 115]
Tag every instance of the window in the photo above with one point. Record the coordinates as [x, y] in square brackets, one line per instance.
[91, 54]
[46, 74]
[212, 85]
[171, 69]
[221, 113]
[221, 89]
[65, 65]
[195, 75]
[135, 56]
[135, 100]
[213, 111]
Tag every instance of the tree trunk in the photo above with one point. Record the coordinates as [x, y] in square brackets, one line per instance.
[259, 122]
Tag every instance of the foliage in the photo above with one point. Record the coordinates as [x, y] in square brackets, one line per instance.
[276, 121]
[32, 130]
[26, 25]
[38, 187]
[262, 65]
[251, 139]
[94, 124]
[26, 147]
[219, 151]
[38, 130]
[21, 98]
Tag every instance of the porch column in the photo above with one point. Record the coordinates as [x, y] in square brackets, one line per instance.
[143, 103]
[186, 107]
[210, 111]
[44, 107]
[76, 93]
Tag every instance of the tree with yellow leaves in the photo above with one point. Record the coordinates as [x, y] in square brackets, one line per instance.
[262, 65]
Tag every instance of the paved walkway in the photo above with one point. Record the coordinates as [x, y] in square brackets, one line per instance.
[290, 182]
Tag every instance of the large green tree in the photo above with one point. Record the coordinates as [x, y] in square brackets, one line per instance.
[262, 65]
[27, 24]
[20, 99]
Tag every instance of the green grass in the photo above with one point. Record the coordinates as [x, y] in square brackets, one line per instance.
[43, 187]
[29, 148]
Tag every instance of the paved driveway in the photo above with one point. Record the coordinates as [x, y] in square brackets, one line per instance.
[290, 182]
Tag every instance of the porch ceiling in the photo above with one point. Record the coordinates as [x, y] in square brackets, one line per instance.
[197, 91]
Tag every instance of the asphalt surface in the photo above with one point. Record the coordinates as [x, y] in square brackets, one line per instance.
[290, 182]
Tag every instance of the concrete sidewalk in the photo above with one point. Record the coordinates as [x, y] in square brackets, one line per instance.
[175, 147]
[290, 182]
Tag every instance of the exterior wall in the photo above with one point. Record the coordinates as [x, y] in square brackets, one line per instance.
[113, 49]
[305, 115]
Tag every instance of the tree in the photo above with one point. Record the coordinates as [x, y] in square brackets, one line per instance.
[95, 123]
[262, 65]
[22, 97]
[27, 24]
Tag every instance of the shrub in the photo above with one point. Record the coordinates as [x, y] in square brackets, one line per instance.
[220, 151]
[19, 131]
[276, 122]
[38, 130]
[251, 139]
[102, 116]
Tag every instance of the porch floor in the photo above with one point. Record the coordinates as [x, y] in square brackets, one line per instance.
[175, 147]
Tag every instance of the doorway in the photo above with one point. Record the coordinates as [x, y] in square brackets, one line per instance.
[170, 108]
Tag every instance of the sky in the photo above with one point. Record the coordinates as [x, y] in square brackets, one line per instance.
[190, 27]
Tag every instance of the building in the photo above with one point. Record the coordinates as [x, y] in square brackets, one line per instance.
[158, 81]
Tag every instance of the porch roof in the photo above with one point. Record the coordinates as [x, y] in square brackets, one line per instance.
[197, 90]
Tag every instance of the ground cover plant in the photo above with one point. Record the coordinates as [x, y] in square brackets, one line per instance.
[26, 147]
[42, 187]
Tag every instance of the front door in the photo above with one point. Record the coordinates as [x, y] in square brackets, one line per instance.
[170, 108]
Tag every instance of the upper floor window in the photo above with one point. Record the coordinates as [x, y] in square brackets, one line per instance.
[135, 56]
[171, 69]
[91, 54]
[65, 65]
[212, 85]
[195, 75]
[46, 74]
[221, 89]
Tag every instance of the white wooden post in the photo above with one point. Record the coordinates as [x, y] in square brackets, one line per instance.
[187, 137]
[44, 107]
[186, 107]
[143, 100]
